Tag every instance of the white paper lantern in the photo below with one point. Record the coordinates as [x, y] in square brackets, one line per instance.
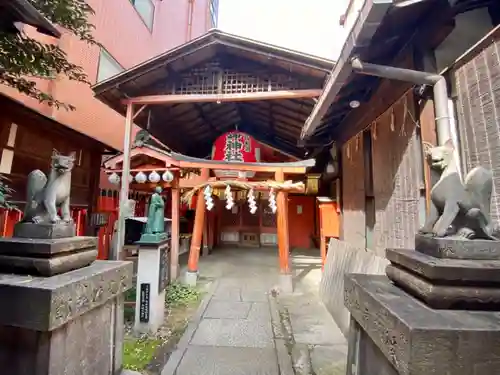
[114, 178]
[141, 177]
[168, 176]
[154, 177]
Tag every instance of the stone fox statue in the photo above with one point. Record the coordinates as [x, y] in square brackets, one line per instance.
[46, 195]
[463, 206]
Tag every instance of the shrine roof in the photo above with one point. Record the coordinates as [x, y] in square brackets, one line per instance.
[384, 33]
[218, 62]
[288, 167]
[149, 148]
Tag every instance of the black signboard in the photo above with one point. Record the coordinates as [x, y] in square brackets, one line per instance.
[144, 301]
[163, 274]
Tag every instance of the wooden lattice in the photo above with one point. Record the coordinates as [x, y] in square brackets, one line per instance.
[212, 79]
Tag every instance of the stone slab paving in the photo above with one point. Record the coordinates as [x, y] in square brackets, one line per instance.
[231, 336]
[227, 310]
[233, 333]
[236, 331]
[316, 335]
[228, 361]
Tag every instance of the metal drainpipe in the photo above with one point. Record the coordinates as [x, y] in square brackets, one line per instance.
[438, 82]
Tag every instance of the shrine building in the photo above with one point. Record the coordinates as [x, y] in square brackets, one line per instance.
[221, 117]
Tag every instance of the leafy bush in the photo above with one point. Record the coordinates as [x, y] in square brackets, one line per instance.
[5, 193]
[180, 294]
[130, 295]
[138, 353]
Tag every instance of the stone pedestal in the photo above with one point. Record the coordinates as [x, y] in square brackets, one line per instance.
[152, 278]
[62, 324]
[437, 312]
[191, 278]
[45, 256]
[286, 282]
[47, 231]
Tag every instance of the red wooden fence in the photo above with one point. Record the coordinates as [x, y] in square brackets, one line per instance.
[8, 218]
[107, 204]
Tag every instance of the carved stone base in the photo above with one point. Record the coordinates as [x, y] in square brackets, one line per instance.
[408, 337]
[44, 231]
[152, 238]
[446, 283]
[447, 271]
[47, 266]
[457, 248]
[62, 324]
[44, 257]
[450, 297]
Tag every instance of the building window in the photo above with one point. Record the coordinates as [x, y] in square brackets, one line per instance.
[214, 12]
[146, 9]
[108, 66]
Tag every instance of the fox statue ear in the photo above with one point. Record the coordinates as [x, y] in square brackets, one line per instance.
[55, 152]
[72, 155]
[449, 144]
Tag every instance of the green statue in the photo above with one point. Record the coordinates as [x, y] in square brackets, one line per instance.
[155, 226]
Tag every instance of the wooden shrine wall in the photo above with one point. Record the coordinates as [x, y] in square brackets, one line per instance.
[26, 144]
[476, 79]
[238, 226]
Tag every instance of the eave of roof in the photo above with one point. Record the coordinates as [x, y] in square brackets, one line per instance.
[369, 19]
[211, 37]
[381, 26]
[200, 122]
[23, 11]
[391, 22]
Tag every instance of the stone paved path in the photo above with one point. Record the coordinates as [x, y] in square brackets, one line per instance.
[239, 329]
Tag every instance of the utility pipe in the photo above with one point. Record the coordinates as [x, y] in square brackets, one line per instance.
[438, 83]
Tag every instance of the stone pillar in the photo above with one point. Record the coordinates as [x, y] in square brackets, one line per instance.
[436, 311]
[152, 278]
[58, 304]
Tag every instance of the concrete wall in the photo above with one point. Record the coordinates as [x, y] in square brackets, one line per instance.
[344, 258]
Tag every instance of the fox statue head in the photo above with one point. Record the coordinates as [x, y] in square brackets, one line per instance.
[439, 157]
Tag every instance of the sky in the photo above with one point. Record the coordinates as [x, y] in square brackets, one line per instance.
[309, 26]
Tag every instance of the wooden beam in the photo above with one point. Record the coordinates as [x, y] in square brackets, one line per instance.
[199, 220]
[124, 190]
[111, 164]
[238, 97]
[139, 111]
[242, 167]
[175, 230]
[290, 168]
[205, 119]
[427, 135]
[282, 227]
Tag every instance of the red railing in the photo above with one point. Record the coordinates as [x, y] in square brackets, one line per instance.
[9, 218]
[107, 205]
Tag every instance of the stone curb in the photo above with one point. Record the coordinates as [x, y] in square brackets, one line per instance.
[281, 338]
[176, 356]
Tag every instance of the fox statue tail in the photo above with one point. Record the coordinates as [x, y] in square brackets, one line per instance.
[36, 181]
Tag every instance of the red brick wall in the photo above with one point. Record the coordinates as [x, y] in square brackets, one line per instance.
[124, 35]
